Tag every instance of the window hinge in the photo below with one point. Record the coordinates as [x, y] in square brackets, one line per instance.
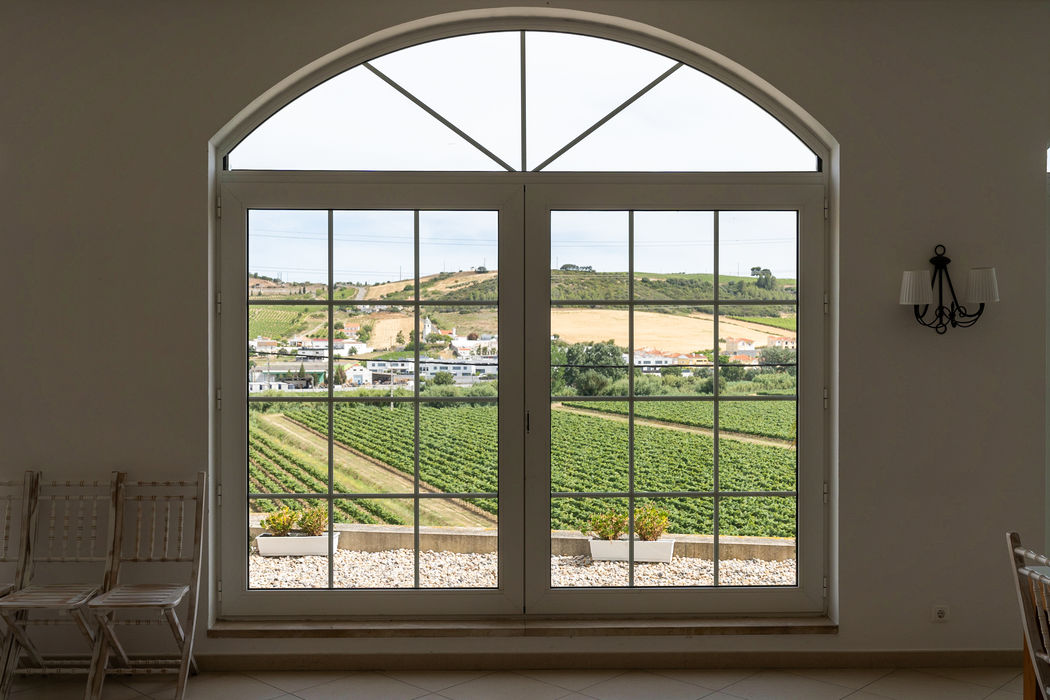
[527, 423]
[218, 399]
[218, 495]
[218, 304]
[218, 207]
[827, 303]
[826, 398]
[219, 582]
[825, 492]
[825, 209]
[825, 587]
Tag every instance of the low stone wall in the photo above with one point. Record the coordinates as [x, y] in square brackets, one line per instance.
[381, 538]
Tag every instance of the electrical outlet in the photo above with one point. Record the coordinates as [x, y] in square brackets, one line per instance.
[940, 613]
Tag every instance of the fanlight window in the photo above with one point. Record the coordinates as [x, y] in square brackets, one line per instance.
[523, 101]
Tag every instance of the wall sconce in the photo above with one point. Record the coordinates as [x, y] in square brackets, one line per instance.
[917, 290]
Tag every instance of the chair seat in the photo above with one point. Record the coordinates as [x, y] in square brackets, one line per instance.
[6, 588]
[55, 596]
[142, 595]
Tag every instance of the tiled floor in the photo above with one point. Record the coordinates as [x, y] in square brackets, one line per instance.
[800, 684]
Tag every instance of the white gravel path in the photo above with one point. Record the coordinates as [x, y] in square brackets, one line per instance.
[394, 569]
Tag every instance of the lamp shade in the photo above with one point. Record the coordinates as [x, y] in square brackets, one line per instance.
[983, 286]
[916, 288]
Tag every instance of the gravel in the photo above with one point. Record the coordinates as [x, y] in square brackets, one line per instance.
[395, 569]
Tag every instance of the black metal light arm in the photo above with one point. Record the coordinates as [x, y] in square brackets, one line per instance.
[953, 314]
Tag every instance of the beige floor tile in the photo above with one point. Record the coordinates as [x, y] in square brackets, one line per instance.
[363, 686]
[291, 681]
[434, 681]
[570, 679]
[907, 684]
[62, 688]
[781, 685]
[854, 678]
[989, 677]
[1005, 695]
[207, 686]
[713, 678]
[1014, 686]
[642, 684]
[504, 686]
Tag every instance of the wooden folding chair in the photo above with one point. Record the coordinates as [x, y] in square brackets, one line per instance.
[1032, 575]
[71, 546]
[160, 538]
[17, 503]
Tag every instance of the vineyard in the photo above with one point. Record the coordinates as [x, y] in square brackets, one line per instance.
[458, 454]
[787, 323]
[277, 322]
[774, 419]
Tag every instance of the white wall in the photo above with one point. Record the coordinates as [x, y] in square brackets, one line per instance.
[942, 111]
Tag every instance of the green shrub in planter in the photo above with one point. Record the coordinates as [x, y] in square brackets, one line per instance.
[281, 522]
[314, 521]
[650, 522]
[607, 526]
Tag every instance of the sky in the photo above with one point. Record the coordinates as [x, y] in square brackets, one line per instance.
[357, 121]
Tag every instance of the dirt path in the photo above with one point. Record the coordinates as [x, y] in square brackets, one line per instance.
[372, 476]
[722, 434]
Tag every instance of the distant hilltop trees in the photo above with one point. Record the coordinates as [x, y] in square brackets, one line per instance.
[569, 267]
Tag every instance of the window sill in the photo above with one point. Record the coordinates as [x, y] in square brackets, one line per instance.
[550, 627]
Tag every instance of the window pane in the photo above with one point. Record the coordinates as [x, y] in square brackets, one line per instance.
[674, 255]
[671, 451]
[458, 255]
[690, 122]
[374, 450]
[671, 336]
[774, 420]
[589, 451]
[758, 350]
[690, 525]
[757, 255]
[287, 447]
[355, 121]
[287, 254]
[286, 559]
[459, 451]
[460, 351]
[573, 81]
[457, 556]
[754, 463]
[757, 541]
[287, 350]
[372, 248]
[589, 258]
[473, 81]
[376, 543]
[572, 521]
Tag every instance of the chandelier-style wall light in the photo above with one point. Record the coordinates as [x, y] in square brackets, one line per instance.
[917, 290]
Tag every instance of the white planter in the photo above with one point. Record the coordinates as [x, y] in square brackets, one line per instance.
[295, 545]
[617, 550]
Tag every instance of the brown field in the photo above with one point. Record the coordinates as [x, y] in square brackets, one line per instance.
[668, 332]
[387, 325]
[458, 279]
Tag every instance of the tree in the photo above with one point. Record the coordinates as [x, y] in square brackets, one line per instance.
[365, 333]
[340, 375]
[472, 336]
[670, 371]
[400, 340]
[301, 374]
[442, 378]
[602, 359]
[766, 280]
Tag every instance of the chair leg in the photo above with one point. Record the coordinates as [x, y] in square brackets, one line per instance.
[9, 652]
[22, 639]
[97, 672]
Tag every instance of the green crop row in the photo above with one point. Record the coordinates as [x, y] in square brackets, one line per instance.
[775, 419]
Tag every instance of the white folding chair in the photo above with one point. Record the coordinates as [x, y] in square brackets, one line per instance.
[1032, 575]
[71, 546]
[17, 502]
[152, 516]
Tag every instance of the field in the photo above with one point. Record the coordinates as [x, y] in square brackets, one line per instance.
[775, 419]
[789, 323]
[280, 322]
[458, 447]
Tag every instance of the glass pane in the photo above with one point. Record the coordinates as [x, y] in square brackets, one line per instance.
[689, 524]
[376, 543]
[370, 249]
[457, 555]
[690, 122]
[287, 254]
[756, 544]
[287, 447]
[757, 255]
[758, 351]
[573, 81]
[678, 380]
[573, 520]
[461, 351]
[473, 81]
[281, 554]
[355, 121]
[673, 453]
[773, 420]
[377, 332]
[674, 255]
[589, 257]
[747, 463]
[672, 336]
[458, 255]
[589, 451]
[592, 336]
[295, 362]
[374, 450]
[459, 449]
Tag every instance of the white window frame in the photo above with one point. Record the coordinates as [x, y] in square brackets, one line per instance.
[524, 518]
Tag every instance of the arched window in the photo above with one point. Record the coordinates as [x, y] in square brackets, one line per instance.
[507, 313]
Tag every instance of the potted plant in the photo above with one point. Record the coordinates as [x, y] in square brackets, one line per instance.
[283, 540]
[649, 524]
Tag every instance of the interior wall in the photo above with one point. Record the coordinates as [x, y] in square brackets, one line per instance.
[941, 110]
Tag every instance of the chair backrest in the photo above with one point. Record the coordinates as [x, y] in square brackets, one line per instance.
[162, 521]
[1032, 575]
[17, 504]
